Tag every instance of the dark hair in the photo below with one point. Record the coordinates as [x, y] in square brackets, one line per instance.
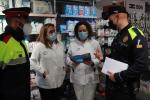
[43, 35]
[88, 27]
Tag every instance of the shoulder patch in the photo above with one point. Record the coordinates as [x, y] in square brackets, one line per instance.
[138, 44]
[6, 38]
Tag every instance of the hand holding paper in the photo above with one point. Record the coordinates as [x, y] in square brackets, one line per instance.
[113, 66]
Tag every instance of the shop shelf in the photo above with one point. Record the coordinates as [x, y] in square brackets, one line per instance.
[71, 16]
[39, 15]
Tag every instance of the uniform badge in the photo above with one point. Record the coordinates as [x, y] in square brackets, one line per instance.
[125, 39]
[139, 45]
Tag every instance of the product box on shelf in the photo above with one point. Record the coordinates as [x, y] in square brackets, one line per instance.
[41, 7]
[63, 28]
[93, 11]
[75, 10]
[87, 11]
[70, 26]
[81, 10]
[68, 10]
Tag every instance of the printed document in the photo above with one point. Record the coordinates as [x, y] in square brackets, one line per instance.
[113, 66]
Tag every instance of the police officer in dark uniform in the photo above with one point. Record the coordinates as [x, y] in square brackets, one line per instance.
[14, 60]
[129, 46]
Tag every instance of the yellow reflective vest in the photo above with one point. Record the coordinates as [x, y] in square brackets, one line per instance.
[11, 51]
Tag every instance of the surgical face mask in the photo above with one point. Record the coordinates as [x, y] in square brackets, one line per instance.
[27, 29]
[83, 35]
[112, 25]
[52, 37]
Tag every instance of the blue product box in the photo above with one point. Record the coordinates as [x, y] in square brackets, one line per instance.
[93, 11]
[75, 10]
[87, 11]
[70, 26]
[81, 58]
[68, 10]
[63, 28]
[81, 10]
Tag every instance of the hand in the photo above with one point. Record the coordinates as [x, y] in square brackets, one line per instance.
[45, 74]
[98, 54]
[88, 62]
[67, 69]
[75, 64]
[107, 51]
[111, 76]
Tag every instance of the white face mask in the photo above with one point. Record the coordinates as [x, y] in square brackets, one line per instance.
[27, 28]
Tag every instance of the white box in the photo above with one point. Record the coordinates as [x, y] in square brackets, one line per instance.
[41, 7]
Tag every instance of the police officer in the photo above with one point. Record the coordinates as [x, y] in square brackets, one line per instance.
[129, 46]
[14, 61]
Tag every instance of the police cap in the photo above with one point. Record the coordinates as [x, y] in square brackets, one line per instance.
[17, 12]
[113, 10]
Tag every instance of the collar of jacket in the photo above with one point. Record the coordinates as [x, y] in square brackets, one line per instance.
[81, 43]
[125, 29]
[17, 34]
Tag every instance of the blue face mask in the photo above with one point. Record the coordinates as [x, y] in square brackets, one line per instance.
[52, 37]
[83, 35]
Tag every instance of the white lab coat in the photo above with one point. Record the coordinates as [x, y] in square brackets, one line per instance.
[83, 74]
[51, 60]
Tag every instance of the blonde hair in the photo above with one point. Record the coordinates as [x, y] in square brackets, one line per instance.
[43, 35]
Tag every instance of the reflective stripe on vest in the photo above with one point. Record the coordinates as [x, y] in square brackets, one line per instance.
[11, 51]
[17, 61]
[13, 62]
[133, 33]
[141, 32]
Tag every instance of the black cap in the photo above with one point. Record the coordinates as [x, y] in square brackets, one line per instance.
[17, 12]
[113, 10]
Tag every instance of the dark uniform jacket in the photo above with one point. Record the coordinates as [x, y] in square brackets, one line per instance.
[14, 66]
[129, 46]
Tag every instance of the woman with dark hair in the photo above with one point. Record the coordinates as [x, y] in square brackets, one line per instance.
[83, 62]
[47, 60]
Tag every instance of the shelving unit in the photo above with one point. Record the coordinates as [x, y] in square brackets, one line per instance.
[86, 17]
[39, 15]
[43, 15]
[72, 11]
[75, 1]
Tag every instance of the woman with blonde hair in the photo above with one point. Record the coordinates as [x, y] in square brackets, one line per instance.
[47, 60]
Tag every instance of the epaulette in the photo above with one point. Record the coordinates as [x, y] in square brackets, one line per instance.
[5, 37]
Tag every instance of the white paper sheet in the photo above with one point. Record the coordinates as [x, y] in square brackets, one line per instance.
[113, 66]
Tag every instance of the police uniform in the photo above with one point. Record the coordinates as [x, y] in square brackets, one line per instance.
[129, 46]
[14, 60]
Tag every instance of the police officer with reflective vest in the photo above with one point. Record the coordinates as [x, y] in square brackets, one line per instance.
[129, 46]
[14, 60]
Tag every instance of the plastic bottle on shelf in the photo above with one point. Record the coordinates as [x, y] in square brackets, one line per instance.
[81, 10]
[86, 11]
[93, 25]
[93, 11]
